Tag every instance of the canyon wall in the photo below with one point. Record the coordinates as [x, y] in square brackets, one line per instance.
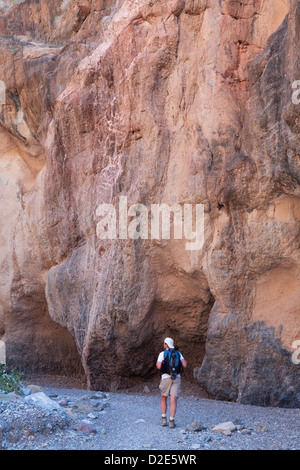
[162, 102]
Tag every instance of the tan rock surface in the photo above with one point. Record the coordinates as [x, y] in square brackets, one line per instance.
[179, 101]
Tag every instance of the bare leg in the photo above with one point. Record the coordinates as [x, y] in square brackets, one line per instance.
[173, 406]
[163, 405]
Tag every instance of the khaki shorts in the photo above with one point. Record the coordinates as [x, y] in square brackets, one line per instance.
[169, 386]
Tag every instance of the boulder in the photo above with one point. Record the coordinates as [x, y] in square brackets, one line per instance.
[225, 428]
[41, 400]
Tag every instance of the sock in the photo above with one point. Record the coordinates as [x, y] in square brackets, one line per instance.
[171, 419]
[163, 416]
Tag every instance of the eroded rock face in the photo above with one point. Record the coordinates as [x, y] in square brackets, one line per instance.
[162, 102]
[253, 338]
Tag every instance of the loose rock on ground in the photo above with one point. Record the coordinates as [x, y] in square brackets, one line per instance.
[70, 419]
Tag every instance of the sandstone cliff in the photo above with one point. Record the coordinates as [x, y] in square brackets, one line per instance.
[174, 101]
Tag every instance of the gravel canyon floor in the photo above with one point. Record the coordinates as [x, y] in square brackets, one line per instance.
[157, 103]
[131, 421]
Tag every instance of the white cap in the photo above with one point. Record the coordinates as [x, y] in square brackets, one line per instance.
[169, 342]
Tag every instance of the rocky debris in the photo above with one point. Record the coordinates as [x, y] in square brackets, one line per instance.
[41, 400]
[260, 427]
[245, 431]
[22, 420]
[9, 397]
[195, 427]
[225, 428]
[31, 389]
[32, 413]
[133, 422]
[63, 402]
[87, 427]
[94, 404]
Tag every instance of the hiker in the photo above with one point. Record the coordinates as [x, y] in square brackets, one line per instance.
[170, 379]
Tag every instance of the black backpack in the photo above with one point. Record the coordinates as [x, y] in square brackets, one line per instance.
[172, 363]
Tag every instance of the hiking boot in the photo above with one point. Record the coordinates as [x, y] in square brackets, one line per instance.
[164, 421]
[172, 423]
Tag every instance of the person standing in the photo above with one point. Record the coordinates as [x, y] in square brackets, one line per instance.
[170, 383]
